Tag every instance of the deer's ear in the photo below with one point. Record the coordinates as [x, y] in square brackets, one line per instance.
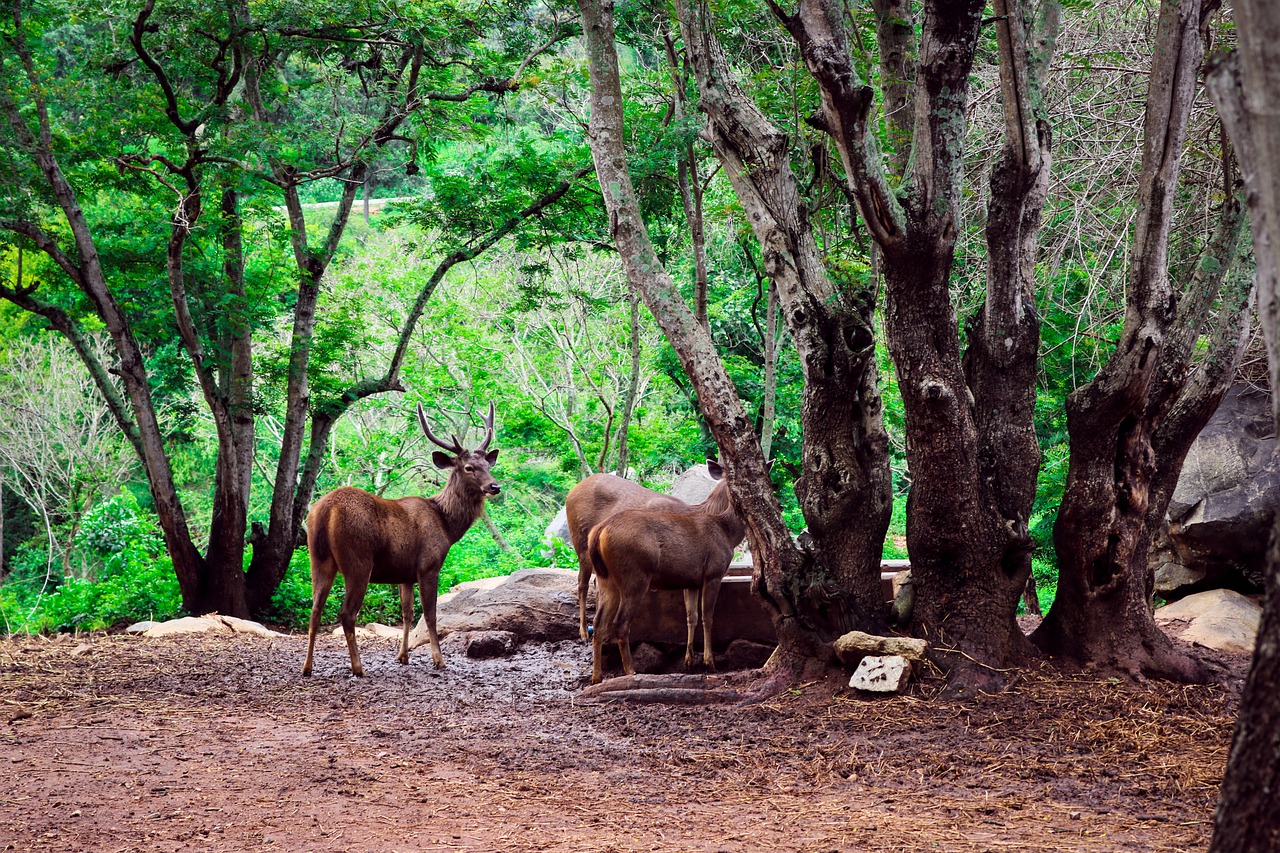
[491, 456]
[442, 460]
[714, 469]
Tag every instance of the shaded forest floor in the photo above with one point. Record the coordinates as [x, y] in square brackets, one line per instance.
[117, 743]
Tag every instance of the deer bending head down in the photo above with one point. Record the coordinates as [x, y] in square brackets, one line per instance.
[638, 548]
[368, 539]
[591, 502]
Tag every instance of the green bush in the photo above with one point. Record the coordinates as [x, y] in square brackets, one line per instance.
[130, 578]
[291, 604]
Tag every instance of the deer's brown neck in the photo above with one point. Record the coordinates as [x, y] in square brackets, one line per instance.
[459, 508]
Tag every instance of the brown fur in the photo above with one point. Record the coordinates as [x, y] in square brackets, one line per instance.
[600, 496]
[635, 549]
[368, 539]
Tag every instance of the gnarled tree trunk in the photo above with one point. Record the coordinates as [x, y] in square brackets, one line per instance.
[1102, 614]
[777, 561]
[970, 437]
[845, 491]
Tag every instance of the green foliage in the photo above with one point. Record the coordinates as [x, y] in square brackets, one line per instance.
[132, 579]
[291, 603]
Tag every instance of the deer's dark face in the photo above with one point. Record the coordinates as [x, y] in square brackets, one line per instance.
[472, 467]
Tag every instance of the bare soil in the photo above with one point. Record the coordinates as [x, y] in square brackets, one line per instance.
[117, 743]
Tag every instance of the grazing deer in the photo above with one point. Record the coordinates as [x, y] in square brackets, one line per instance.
[688, 550]
[368, 539]
[595, 499]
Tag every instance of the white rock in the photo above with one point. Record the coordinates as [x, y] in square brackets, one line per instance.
[883, 674]
[188, 625]
[385, 631]
[360, 632]
[141, 627]
[210, 623]
[246, 626]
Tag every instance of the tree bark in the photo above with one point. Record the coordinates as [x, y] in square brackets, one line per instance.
[845, 492]
[1102, 615]
[777, 560]
[633, 386]
[1247, 91]
[771, 345]
[970, 438]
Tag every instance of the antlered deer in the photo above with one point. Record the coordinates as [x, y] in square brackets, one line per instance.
[634, 549]
[369, 539]
[595, 499]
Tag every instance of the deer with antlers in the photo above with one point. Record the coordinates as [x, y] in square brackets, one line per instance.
[368, 539]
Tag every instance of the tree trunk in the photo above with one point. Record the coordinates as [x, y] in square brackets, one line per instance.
[771, 344]
[633, 386]
[777, 560]
[970, 438]
[1102, 614]
[845, 492]
[1247, 91]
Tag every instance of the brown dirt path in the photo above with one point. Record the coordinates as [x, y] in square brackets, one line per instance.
[115, 743]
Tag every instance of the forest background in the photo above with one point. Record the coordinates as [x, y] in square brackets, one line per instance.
[456, 252]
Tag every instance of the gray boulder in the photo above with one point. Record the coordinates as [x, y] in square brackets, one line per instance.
[693, 485]
[535, 605]
[1229, 490]
[558, 528]
[1218, 619]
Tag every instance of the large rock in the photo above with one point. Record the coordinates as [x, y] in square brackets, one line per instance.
[693, 485]
[533, 604]
[557, 529]
[1220, 515]
[1218, 619]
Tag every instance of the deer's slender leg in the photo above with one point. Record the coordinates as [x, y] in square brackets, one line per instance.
[406, 620]
[692, 598]
[427, 592]
[320, 586]
[351, 602]
[710, 591]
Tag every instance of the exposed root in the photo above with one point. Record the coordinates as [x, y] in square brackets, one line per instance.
[673, 689]
[746, 687]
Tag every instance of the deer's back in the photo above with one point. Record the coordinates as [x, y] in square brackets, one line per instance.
[601, 495]
[675, 550]
[396, 535]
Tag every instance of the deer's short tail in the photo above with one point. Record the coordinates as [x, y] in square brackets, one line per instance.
[318, 534]
[593, 550]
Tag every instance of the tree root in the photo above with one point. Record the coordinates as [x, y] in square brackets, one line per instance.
[674, 689]
[746, 687]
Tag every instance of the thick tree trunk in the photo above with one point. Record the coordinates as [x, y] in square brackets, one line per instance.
[970, 439]
[1183, 400]
[1102, 614]
[845, 492]
[1247, 93]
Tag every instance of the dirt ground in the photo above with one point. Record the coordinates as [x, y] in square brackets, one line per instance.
[118, 743]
